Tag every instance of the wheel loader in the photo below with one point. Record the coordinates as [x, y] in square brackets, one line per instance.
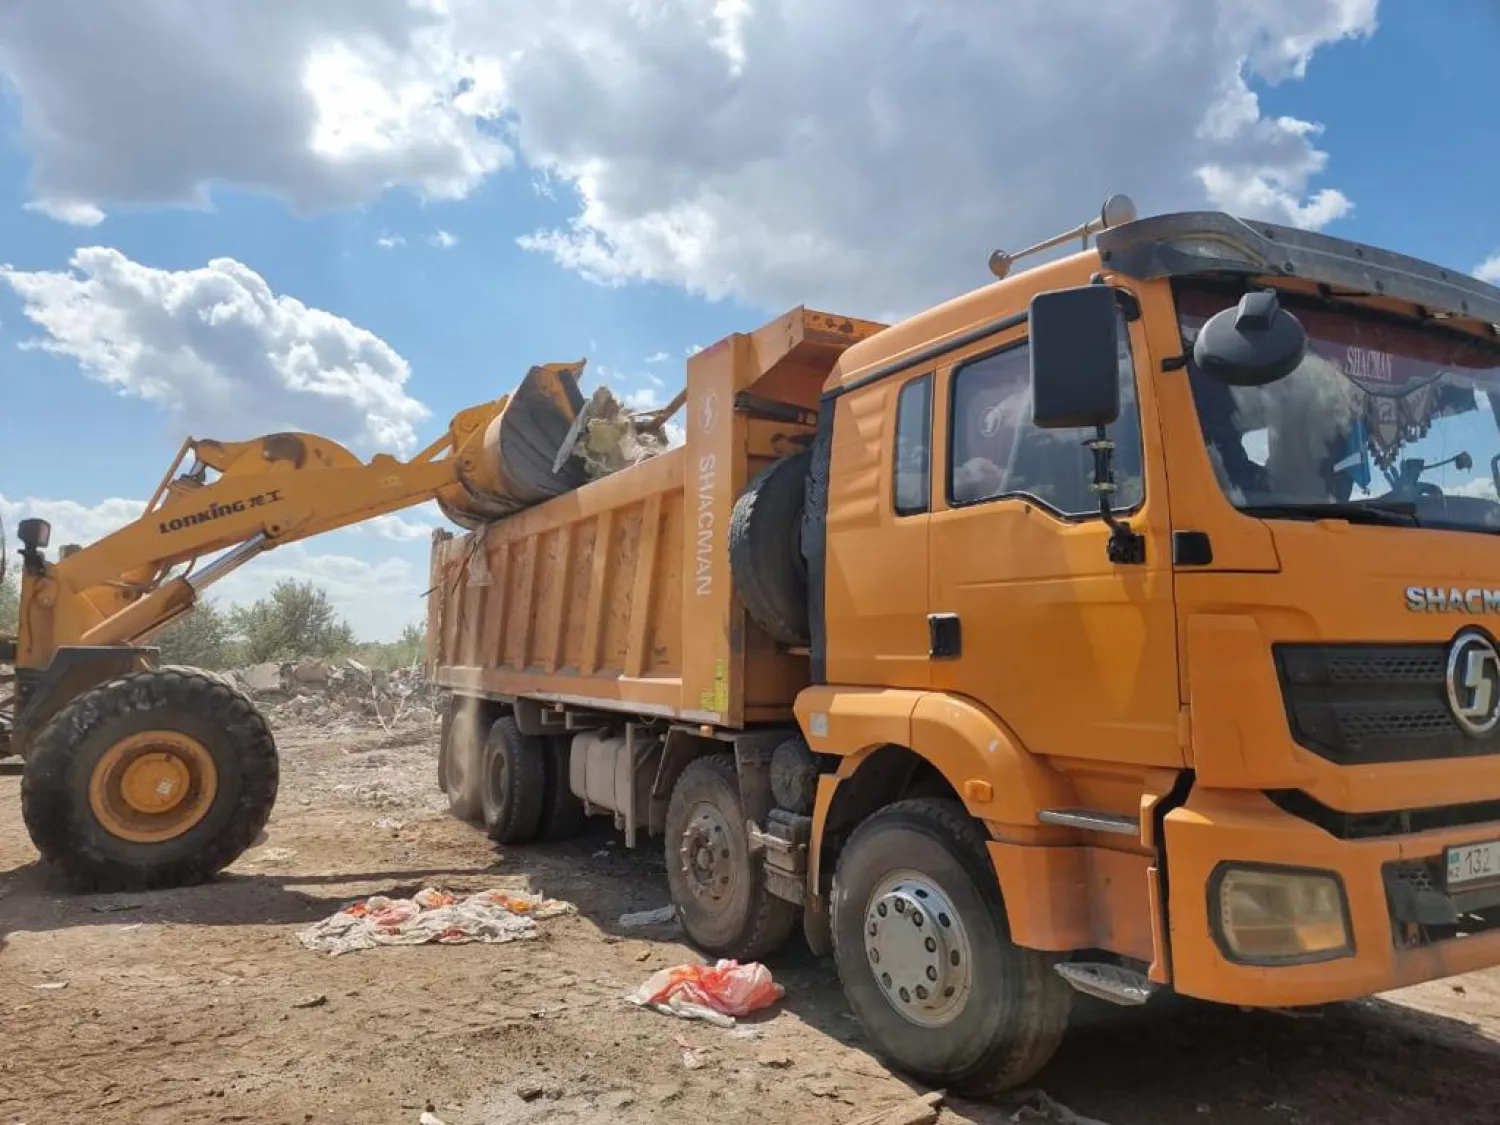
[138, 775]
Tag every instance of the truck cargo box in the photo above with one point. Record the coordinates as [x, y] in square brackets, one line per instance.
[617, 594]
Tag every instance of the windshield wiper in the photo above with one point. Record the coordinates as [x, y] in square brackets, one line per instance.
[1398, 512]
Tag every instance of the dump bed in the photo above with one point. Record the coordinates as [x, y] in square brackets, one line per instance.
[617, 595]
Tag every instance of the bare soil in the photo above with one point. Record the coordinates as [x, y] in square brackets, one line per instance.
[199, 1005]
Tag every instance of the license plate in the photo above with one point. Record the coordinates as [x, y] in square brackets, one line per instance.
[1472, 864]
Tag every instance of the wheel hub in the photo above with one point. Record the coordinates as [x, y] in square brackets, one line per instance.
[706, 856]
[918, 949]
[152, 786]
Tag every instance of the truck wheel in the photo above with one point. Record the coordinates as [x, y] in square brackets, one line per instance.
[160, 778]
[925, 957]
[562, 812]
[461, 757]
[765, 549]
[515, 775]
[718, 886]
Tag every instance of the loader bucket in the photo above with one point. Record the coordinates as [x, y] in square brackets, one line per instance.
[521, 446]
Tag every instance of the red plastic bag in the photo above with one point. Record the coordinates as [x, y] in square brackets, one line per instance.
[727, 988]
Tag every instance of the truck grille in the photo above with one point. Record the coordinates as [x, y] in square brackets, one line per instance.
[1365, 704]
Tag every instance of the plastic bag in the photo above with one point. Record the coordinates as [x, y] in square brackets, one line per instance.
[715, 993]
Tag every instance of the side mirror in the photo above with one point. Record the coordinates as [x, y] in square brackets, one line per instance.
[1253, 344]
[1075, 358]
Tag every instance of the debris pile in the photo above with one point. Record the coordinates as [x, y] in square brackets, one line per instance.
[607, 437]
[316, 691]
[432, 916]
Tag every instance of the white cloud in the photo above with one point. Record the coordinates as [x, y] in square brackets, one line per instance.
[655, 380]
[214, 346]
[378, 598]
[782, 183]
[325, 104]
[390, 241]
[71, 212]
[708, 144]
[1489, 269]
[642, 398]
[658, 357]
[442, 239]
[400, 529]
[71, 521]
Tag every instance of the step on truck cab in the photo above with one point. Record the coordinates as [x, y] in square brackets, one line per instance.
[1125, 624]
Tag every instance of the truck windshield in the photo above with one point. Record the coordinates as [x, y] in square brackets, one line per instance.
[1386, 421]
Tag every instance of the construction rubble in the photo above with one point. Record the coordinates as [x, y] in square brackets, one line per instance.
[342, 691]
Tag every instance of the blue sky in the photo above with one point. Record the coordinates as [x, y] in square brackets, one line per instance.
[700, 169]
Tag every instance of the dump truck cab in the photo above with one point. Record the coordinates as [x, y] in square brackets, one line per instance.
[1235, 731]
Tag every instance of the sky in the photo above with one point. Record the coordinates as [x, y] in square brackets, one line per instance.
[357, 217]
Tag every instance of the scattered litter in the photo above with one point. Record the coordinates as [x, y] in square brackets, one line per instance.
[114, 907]
[271, 855]
[713, 993]
[693, 1058]
[745, 1033]
[912, 1111]
[431, 915]
[51, 986]
[1042, 1109]
[311, 1001]
[430, 1117]
[659, 917]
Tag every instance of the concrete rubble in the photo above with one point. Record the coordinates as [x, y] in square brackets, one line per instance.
[343, 691]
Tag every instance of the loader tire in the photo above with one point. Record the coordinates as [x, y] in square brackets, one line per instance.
[925, 956]
[717, 884]
[161, 778]
[515, 777]
[765, 548]
[563, 816]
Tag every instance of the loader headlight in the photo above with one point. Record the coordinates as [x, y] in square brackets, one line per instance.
[1279, 915]
[34, 534]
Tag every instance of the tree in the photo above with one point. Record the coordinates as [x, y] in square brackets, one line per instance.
[294, 620]
[10, 596]
[200, 638]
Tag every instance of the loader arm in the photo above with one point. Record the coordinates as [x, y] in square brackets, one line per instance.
[247, 497]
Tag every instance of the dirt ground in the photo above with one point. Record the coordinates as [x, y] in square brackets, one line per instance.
[199, 1005]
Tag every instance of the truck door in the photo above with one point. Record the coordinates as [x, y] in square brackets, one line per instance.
[878, 586]
[1075, 654]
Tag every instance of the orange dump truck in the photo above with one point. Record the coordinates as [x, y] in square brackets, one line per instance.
[1125, 624]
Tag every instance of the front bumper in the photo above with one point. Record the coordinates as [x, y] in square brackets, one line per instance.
[1379, 877]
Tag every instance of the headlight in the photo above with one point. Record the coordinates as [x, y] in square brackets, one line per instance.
[1271, 915]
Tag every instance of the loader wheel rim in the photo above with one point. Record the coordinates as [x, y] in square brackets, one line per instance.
[153, 786]
[918, 949]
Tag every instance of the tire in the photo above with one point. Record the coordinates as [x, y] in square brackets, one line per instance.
[1010, 1009]
[514, 779]
[461, 756]
[563, 817]
[765, 549]
[740, 920]
[92, 810]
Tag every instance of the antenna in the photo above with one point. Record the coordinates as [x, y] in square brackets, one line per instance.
[1117, 211]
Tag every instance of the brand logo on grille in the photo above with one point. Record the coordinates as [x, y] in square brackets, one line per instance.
[1474, 683]
[1450, 599]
